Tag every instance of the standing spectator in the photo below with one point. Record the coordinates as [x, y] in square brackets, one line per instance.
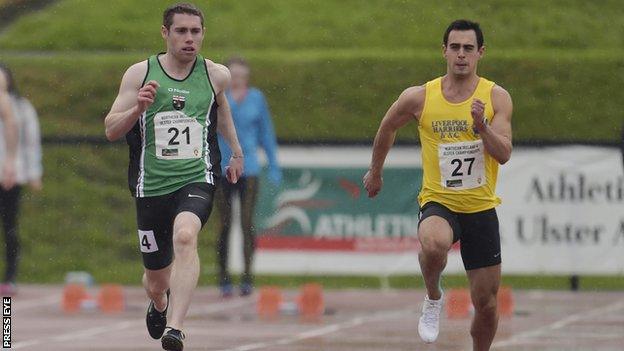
[622, 145]
[28, 170]
[252, 121]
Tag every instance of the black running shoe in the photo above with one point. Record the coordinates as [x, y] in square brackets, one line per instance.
[172, 340]
[156, 321]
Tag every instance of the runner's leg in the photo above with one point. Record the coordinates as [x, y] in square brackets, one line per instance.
[484, 283]
[224, 205]
[9, 207]
[185, 270]
[249, 192]
[156, 283]
[436, 237]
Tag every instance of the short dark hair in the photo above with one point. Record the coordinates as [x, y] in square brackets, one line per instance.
[236, 60]
[463, 24]
[182, 7]
[11, 87]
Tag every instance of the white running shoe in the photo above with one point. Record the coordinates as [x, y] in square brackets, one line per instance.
[429, 323]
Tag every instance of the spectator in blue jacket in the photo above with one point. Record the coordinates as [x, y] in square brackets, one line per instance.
[252, 120]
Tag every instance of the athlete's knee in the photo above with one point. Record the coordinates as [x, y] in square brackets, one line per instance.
[184, 237]
[157, 287]
[485, 304]
[434, 244]
[435, 236]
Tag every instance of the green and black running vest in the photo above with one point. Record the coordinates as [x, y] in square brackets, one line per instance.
[174, 143]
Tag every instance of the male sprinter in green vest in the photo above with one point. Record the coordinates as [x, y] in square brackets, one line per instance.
[170, 108]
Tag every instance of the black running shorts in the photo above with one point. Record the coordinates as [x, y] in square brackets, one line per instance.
[477, 233]
[155, 216]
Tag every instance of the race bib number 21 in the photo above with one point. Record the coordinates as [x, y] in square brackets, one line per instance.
[177, 136]
[462, 165]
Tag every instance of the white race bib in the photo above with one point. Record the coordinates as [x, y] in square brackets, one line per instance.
[178, 136]
[462, 165]
[147, 241]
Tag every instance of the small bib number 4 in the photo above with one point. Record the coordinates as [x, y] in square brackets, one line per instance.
[177, 136]
[147, 241]
[462, 165]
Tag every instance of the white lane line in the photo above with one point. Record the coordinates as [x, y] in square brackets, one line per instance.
[86, 333]
[250, 347]
[519, 338]
[90, 332]
[19, 306]
[75, 335]
[218, 307]
[582, 335]
[332, 328]
[23, 344]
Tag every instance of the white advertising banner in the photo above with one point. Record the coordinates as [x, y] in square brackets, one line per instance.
[562, 213]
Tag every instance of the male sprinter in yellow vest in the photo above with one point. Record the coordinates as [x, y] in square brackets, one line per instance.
[464, 122]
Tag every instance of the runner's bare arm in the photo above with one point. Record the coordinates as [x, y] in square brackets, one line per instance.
[10, 134]
[132, 100]
[220, 76]
[407, 107]
[496, 136]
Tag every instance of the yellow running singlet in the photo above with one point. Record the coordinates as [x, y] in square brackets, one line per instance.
[458, 173]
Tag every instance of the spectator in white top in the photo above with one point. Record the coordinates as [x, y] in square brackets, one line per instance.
[28, 170]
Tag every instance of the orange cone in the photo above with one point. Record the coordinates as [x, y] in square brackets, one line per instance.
[311, 303]
[111, 298]
[269, 301]
[458, 303]
[505, 302]
[73, 295]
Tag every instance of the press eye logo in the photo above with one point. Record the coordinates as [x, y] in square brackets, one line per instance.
[6, 322]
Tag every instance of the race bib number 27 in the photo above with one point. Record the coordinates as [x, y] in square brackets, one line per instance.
[462, 165]
[177, 136]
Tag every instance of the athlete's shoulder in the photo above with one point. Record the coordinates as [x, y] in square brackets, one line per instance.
[139, 67]
[219, 75]
[501, 100]
[500, 94]
[410, 102]
[414, 94]
[136, 73]
[499, 90]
